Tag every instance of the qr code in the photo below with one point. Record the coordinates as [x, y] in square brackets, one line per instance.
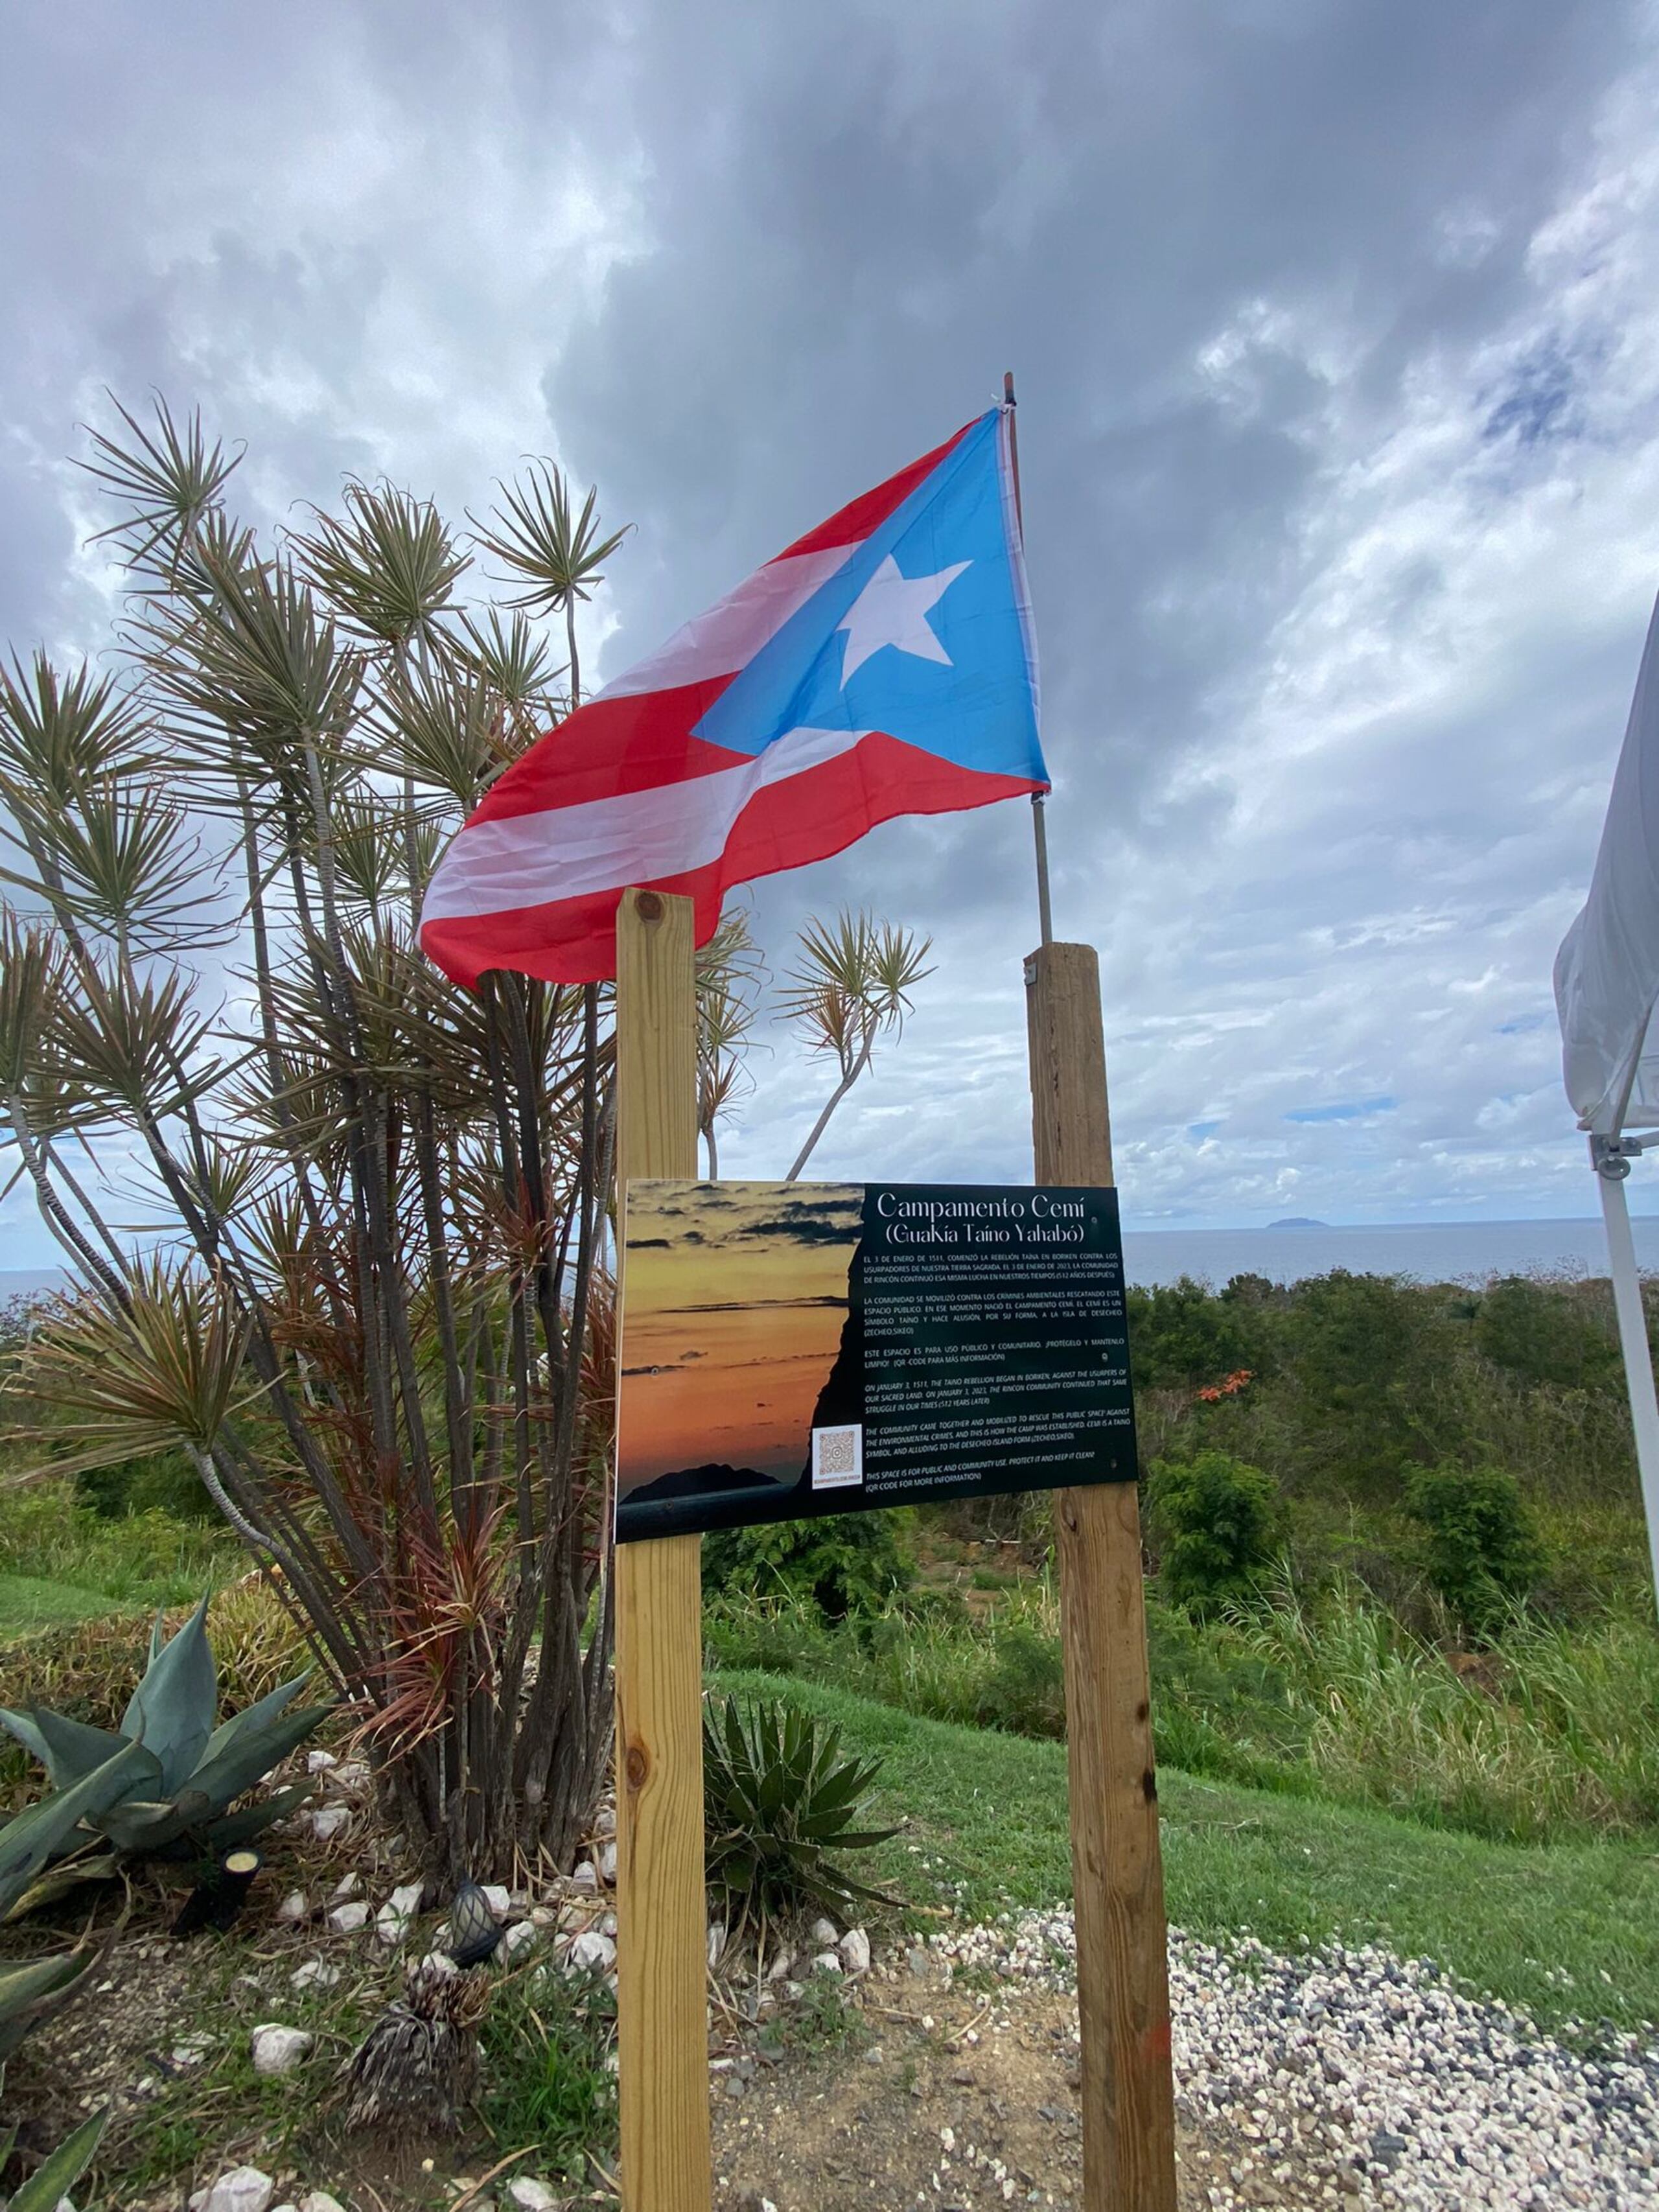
[837, 1458]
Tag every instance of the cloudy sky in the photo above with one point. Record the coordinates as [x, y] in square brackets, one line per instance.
[1336, 323]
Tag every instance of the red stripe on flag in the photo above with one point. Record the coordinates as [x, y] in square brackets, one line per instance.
[610, 746]
[809, 816]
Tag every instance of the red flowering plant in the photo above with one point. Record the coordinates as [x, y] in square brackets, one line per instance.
[1212, 1393]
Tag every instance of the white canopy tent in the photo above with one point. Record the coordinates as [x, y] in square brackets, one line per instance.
[1607, 985]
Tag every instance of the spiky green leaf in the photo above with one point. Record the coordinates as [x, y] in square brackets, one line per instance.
[171, 1709]
[57, 2175]
[34, 1838]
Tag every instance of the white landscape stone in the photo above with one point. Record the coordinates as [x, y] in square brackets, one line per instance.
[607, 1863]
[530, 2195]
[348, 1886]
[779, 1969]
[716, 1941]
[391, 1922]
[521, 1936]
[244, 2189]
[824, 1933]
[590, 1951]
[854, 1949]
[497, 1896]
[1386, 2082]
[278, 2050]
[329, 1822]
[319, 2200]
[316, 1973]
[826, 1963]
[318, 1762]
[584, 1876]
[347, 1919]
[294, 1908]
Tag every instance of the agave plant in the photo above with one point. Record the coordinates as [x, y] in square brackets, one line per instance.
[778, 1800]
[48, 2187]
[164, 1785]
[32, 1990]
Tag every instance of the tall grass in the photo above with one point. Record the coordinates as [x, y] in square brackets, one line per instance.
[1552, 1732]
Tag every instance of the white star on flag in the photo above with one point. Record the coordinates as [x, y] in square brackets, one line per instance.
[892, 610]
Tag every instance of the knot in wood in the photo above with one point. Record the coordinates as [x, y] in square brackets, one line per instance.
[648, 906]
[638, 1765]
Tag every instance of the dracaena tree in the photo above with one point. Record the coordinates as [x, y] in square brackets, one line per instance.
[339, 1228]
[371, 1299]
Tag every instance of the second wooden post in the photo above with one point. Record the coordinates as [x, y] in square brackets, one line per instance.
[1122, 1970]
[661, 1963]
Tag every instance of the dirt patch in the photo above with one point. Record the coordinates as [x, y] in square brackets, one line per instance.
[946, 2097]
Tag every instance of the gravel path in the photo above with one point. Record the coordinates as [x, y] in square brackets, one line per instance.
[1377, 2075]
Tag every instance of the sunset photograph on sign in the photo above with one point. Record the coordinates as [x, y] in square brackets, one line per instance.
[735, 1304]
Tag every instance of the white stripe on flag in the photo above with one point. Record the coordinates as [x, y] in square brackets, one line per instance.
[605, 844]
[733, 631]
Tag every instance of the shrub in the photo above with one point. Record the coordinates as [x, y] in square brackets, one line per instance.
[845, 1563]
[1356, 1346]
[1181, 1334]
[1483, 1551]
[778, 1800]
[1216, 1519]
[1024, 1690]
[161, 1482]
[144, 1557]
[1542, 1332]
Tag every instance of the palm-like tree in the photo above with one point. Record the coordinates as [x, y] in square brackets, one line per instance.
[851, 987]
[373, 1305]
[379, 1271]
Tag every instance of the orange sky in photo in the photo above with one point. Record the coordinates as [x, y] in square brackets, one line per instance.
[727, 1341]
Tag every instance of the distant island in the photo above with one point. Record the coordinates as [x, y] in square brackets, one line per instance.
[1298, 1221]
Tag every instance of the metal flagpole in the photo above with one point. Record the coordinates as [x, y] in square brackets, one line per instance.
[1611, 1158]
[1039, 819]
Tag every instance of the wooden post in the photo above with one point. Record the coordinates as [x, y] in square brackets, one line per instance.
[662, 2023]
[1122, 1968]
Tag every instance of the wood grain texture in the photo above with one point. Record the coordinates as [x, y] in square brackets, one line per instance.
[661, 1957]
[1123, 1986]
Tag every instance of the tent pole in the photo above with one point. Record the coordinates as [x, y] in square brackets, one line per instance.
[1612, 1166]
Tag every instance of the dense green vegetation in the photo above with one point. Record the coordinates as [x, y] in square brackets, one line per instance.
[1397, 1560]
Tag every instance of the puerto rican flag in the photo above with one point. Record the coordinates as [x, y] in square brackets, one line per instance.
[882, 665]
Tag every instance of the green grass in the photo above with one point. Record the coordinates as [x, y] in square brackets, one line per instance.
[545, 2041]
[60, 1561]
[1567, 1930]
[29, 1602]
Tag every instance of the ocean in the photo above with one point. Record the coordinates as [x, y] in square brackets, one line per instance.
[1428, 1252]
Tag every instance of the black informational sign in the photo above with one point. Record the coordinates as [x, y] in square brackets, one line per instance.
[791, 1349]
